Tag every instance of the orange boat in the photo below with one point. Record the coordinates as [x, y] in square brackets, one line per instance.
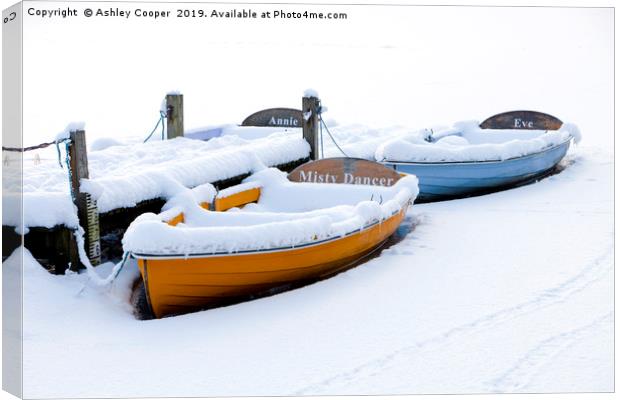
[263, 236]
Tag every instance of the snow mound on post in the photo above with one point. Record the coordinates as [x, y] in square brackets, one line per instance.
[311, 93]
[71, 127]
[466, 141]
[287, 214]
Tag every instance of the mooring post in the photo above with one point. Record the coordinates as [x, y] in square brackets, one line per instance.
[174, 115]
[87, 207]
[309, 107]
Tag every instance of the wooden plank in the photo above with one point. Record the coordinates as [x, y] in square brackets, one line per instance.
[87, 207]
[352, 171]
[237, 199]
[174, 114]
[276, 117]
[522, 119]
[310, 106]
[179, 218]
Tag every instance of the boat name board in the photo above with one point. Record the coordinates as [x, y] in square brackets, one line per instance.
[351, 171]
[347, 178]
[522, 120]
[523, 124]
[278, 117]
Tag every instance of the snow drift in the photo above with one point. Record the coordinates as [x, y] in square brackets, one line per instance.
[124, 175]
[466, 141]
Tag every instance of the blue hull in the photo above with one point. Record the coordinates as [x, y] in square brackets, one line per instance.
[459, 179]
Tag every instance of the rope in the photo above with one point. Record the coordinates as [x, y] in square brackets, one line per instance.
[79, 232]
[58, 153]
[321, 138]
[162, 116]
[57, 143]
[330, 135]
[109, 279]
[21, 150]
[68, 162]
[90, 269]
[117, 269]
[41, 146]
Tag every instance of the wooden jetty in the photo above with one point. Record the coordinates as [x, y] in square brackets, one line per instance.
[56, 247]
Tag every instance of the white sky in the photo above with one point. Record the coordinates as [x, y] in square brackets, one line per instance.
[413, 66]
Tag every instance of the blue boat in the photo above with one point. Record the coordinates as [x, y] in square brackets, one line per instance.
[454, 179]
[440, 181]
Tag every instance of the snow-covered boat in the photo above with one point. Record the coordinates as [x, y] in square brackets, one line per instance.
[209, 249]
[505, 150]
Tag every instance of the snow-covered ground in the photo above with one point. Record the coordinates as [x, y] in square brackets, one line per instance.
[508, 292]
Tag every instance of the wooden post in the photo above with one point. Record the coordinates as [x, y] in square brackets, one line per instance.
[174, 114]
[310, 106]
[87, 207]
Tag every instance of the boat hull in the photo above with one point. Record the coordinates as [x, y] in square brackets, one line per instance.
[458, 179]
[176, 285]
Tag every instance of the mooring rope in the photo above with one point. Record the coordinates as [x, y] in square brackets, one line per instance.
[162, 116]
[68, 163]
[330, 135]
[58, 154]
[79, 231]
[24, 149]
[57, 143]
[117, 269]
[321, 138]
[39, 146]
[90, 269]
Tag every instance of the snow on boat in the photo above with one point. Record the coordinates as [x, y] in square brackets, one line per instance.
[267, 234]
[505, 150]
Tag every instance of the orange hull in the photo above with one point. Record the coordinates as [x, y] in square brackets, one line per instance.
[179, 285]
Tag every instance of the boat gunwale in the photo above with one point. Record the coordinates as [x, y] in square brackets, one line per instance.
[450, 163]
[147, 256]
